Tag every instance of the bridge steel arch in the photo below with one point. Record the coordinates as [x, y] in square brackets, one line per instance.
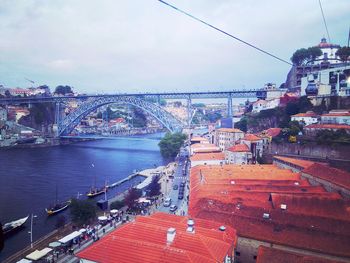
[69, 122]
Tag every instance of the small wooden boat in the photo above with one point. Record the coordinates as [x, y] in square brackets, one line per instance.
[14, 225]
[58, 207]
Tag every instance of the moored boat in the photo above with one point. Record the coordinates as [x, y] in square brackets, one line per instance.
[14, 225]
[95, 191]
[58, 207]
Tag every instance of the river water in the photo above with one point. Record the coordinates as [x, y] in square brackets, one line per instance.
[28, 178]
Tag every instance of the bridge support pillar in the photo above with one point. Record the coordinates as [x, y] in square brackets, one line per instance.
[229, 106]
[57, 117]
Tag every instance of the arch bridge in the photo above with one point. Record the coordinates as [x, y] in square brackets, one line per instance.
[67, 124]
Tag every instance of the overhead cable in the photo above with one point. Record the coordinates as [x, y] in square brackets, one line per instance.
[224, 32]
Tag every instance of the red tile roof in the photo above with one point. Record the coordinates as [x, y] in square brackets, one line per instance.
[273, 132]
[239, 148]
[330, 174]
[273, 255]
[328, 126]
[207, 156]
[251, 137]
[302, 164]
[236, 195]
[197, 138]
[145, 240]
[307, 114]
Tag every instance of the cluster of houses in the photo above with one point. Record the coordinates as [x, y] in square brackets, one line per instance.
[289, 211]
[230, 146]
[333, 120]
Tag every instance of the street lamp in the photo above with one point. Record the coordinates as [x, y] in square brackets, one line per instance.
[31, 230]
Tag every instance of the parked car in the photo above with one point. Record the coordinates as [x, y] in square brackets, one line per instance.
[175, 187]
[181, 196]
[167, 202]
[173, 208]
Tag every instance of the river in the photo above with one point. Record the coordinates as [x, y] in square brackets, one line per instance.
[28, 178]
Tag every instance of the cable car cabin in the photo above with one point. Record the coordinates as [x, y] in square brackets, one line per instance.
[311, 89]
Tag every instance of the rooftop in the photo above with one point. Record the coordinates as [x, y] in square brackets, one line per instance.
[145, 240]
[251, 137]
[302, 164]
[239, 148]
[330, 174]
[307, 114]
[207, 156]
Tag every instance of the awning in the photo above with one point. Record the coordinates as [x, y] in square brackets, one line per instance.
[54, 244]
[69, 237]
[38, 254]
[114, 211]
[102, 218]
[23, 260]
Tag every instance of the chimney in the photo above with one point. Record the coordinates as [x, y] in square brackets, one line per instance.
[190, 226]
[170, 236]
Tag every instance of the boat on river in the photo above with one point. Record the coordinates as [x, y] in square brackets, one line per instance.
[58, 207]
[96, 191]
[14, 225]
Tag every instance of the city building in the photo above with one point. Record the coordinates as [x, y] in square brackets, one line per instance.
[255, 144]
[226, 137]
[164, 238]
[336, 117]
[272, 92]
[313, 129]
[198, 139]
[272, 207]
[261, 105]
[328, 53]
[238, 154]
[204, 148]
[305, 118]
[216, 158]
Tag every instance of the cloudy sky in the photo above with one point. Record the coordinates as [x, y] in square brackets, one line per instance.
[143, 46]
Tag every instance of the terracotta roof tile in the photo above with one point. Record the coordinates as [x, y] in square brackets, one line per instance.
[207, 156]
[145, 241]
[298, 162]
[307, 114]
[251, 137]
[330, 174]
[239, 148]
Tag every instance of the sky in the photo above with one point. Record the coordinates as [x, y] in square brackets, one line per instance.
[114, 46]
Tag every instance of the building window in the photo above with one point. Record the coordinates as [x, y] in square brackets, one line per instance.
[238, 253]
[254, 257]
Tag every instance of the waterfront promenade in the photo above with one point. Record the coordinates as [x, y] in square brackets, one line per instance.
[162, 171]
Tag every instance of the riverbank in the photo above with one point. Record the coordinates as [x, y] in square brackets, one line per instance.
[162, 171]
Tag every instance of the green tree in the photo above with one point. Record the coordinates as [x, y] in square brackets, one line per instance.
[343, 53]
[117, 204]
[63, 90]
[313, 53]
[131, 196]
[242, 124]
[82, 211]
[154, 186]
[299, 56]
[171, 143]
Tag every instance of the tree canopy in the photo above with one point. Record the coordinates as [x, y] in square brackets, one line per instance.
[171, 143]
[63, 90]
[343, 53]
[154, 186]
[131, 196]
[82, 211]
[303, 55]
